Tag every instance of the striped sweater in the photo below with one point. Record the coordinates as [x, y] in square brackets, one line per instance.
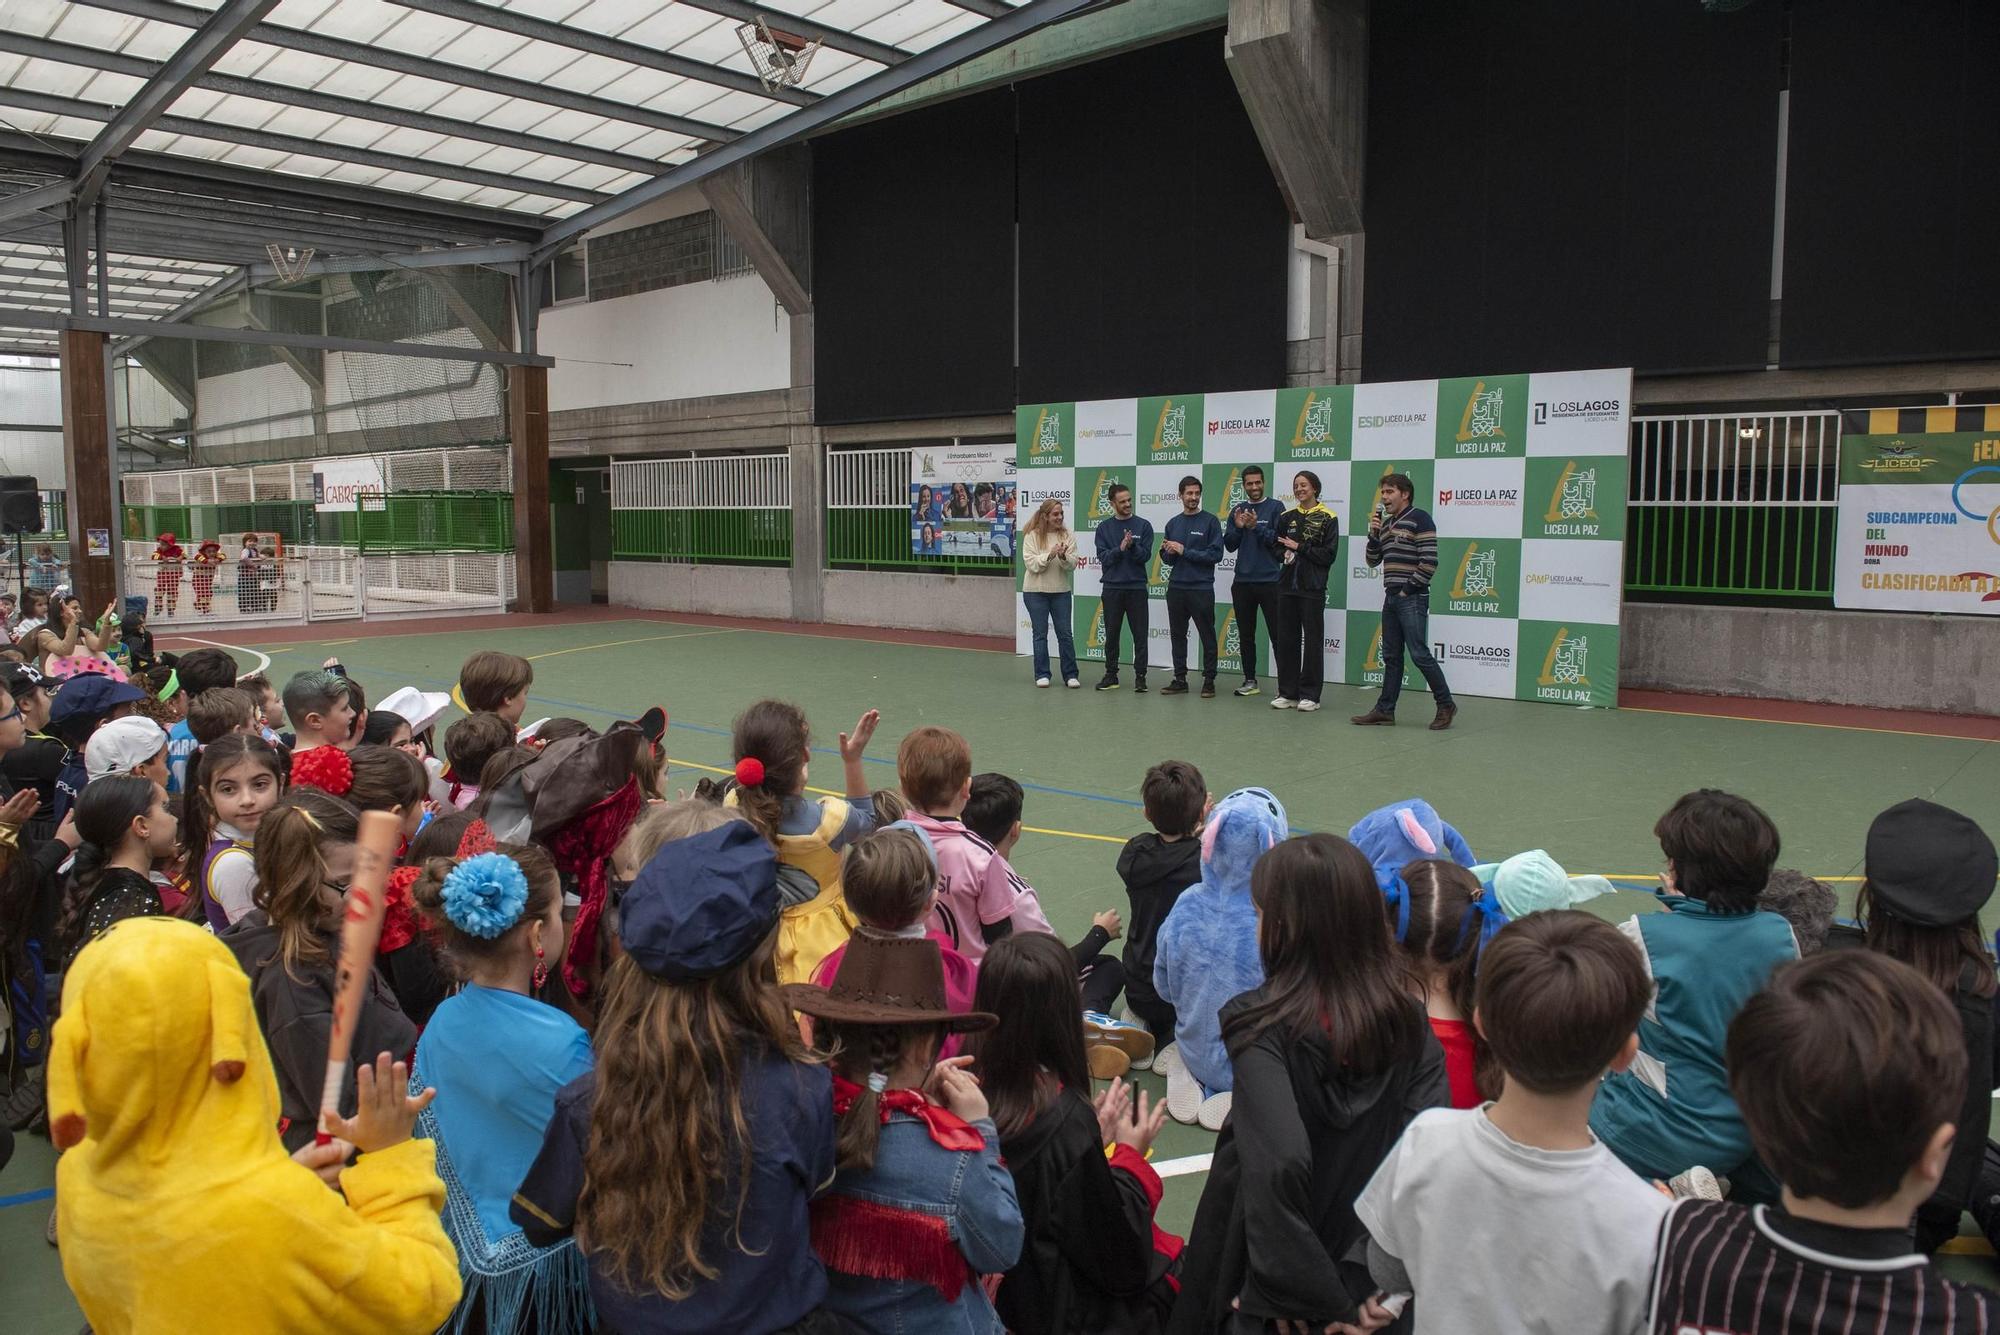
[1407, 551]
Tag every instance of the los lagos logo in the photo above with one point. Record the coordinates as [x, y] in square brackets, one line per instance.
[1576, 410]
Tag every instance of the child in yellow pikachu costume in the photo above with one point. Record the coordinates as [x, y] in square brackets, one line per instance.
[177, 1206]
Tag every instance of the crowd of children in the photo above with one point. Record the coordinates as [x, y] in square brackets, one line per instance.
[761, 1060]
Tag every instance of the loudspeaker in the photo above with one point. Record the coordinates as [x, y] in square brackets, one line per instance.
[20, 505]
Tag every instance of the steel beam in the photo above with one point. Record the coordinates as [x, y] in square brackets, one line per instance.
[1015, 24]
[464, 76]
[53, 195]
[986, 9]
[29, 350]
[114, 62]
[200, 218]
[421, 259]
[211, 41]
[58, 299]
[614, 48]
[215, 291]
[285, 143]
[22, 277]
[834, 39]
[16, 318]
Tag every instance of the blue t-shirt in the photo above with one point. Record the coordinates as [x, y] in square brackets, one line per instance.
[180, 747]
[497, 1059]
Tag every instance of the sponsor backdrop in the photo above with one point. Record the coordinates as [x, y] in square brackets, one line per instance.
[1525, 475]
[962, 501]
[1920, 522]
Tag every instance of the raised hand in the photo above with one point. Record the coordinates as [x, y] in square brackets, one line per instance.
[1140, 1126]
[20, 808]
[384, 1112]
[854, 744]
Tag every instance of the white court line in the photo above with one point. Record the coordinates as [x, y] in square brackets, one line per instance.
[264, 659]
[1194, 1163]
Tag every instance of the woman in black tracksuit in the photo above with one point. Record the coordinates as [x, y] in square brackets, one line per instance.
[1308, 538]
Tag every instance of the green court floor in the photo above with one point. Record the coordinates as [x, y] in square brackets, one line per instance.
[1586, 785]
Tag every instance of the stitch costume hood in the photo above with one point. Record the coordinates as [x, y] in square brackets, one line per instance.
[180, 1209]
[1396, 835]
[1207, 951]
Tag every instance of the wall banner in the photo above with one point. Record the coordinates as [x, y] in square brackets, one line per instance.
[1919, 522]
[963, 500]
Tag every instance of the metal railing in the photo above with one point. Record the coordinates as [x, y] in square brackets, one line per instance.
[320, 584]
[717, 509]
[868, 518]
[1733, 507]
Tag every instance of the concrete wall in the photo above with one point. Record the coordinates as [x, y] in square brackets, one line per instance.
[742, 591]
[967, 605]
[273, 391]
[1939, 663]
[697, 340]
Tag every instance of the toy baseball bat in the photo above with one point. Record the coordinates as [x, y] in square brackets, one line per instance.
[360, 931]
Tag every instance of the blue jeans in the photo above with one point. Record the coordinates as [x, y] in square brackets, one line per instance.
[1406, 619]
[1042, 608]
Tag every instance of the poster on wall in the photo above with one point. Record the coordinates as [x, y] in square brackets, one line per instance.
[964, 500]
[1919, 523]
[1524, 475]
[338, 484]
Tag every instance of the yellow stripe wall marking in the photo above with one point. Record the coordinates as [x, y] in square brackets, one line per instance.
[1881, 421]
[1940, 419]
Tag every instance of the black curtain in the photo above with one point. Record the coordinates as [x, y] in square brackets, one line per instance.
[913, 264]
[1153, 237]
[1568, 183]
[1892, 203]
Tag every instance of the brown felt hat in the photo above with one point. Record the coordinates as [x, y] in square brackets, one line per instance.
[568, 778]
[886, 980]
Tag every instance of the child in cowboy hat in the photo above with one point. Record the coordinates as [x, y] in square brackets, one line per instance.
[913, 1131]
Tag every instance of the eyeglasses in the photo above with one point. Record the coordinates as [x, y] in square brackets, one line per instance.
[9, 718]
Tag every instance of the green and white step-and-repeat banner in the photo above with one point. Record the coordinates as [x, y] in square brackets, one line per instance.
[1524, 474]
[1919, 522]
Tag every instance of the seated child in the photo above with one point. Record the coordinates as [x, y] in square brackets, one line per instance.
[980, 899]
[1207, 953]
[771, 743]
[468, 745]
[993, 812]
[890, 879]
[1155, 868]
[1559, 998]
[1848, 1070]
[1393, 836]
[1809, 905]
[180, 1210]
[1708, 954]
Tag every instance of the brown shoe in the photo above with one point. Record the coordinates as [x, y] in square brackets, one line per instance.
[1374, 718]
[1446, 713]
[1105, 1061]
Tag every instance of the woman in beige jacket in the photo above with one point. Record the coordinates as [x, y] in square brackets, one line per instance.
[1048, 551]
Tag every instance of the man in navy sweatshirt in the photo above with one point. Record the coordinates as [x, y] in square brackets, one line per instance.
[1251, 535]
[1193, 547]
[1124, 549]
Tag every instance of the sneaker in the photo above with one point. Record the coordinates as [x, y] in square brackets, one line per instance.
[1307, 706]
[1445, 714]
[1106, 1062]
[1214, 1111]
[1374, 718]
[1074, 684]
[1697, 1183]
[1042, 681]
[51, 1233]
[1132, 1039]
[1108, 684]
[1167, 1060]
[1208, 690]
[1184, 1096]
[1249, 688]
[1139, 686]
[1282, 703]
[1175, 687]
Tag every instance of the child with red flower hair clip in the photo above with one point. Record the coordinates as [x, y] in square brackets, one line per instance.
[771, 743]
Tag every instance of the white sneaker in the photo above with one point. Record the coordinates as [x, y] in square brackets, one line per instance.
[1307, 706]
[1184, 1097]
[1697, 1183]
[1041, 681]
[1074, 684]
[1167, 1060]
[1144, 1063]
[1214, 1111]
[1282, 703]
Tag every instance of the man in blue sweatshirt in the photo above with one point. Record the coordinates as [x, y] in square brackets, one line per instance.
[1251, 535]
[1124, 549]
[1193, 547]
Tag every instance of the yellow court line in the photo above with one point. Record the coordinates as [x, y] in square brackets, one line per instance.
[1073, 834]
[329, 644]
[1964, 1246]
[1803, 723]
[649, 639]
[1654, 876]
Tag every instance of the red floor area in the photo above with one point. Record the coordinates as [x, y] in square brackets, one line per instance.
[1664, 702]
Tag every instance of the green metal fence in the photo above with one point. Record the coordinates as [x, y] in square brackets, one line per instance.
[713, 510]
[435, 521]
[868, 519]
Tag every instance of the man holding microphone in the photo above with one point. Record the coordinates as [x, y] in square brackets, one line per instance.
[1124, 548]
[1402, 540]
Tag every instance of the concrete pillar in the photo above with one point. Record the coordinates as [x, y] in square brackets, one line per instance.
[86, 421]
[808, 524]
[1301, 67]
[528, 435]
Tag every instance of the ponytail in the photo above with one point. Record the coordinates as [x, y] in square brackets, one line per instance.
[769, 742]
[291, 867]
[868, 1055]
[105, 811]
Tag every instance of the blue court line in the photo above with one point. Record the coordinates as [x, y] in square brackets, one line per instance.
[27, 1197]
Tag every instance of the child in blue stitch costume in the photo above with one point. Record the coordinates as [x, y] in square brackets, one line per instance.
[1207, 953]
[1403, 832]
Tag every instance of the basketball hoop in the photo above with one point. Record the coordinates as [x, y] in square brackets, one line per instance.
[779, 57]
[289, 261]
